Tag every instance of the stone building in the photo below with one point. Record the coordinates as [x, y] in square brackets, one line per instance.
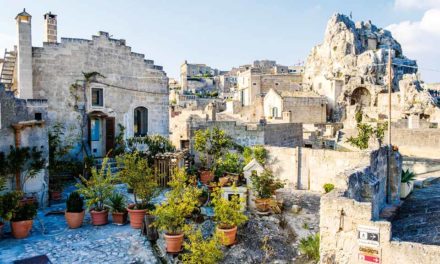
[263, 76]
[23, 124]
[113, 85]
[197, 77]
[295, 107]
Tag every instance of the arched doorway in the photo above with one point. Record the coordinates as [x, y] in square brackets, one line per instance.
[360, 96]
[140, 126]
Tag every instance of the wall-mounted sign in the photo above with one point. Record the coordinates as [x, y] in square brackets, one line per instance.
[368, 236]
[369, 259]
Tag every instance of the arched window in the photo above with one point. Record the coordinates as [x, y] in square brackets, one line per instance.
[140, 121]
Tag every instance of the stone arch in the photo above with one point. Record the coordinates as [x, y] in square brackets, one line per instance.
[360, 96]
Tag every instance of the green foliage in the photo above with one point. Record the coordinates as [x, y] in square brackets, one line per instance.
[365, 131]
[25, 212]
[181, 202]
[9, 202]
[211, 145]
[156, 144]
[257, 152]
[74, 203]
[230, 162]
[201, 250]
[138, 175]
[309, 246]
[118, 203]
[358, 117]
[88, 76]
[227, 213]
[407, 176]
[379, 132]
[98, 188]
[266, 184]
[119, 141]
[328, 187]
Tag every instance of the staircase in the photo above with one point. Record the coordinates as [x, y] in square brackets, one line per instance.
[7, 71]
[111, 163]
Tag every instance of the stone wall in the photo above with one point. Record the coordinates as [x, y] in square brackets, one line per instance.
[417, 142]
[130, 81]
[310, 169]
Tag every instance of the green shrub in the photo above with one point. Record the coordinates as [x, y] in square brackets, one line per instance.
[257, 152]
[266, 184]
[328, 187]
[117, 203]
[230, 162]
[227, 213]
[74, 203]
[200, 250]
[9, 202]
[407, 176]
[25, 212]
[309, 246]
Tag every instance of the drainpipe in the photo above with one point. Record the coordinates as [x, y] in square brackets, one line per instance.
[17, 130]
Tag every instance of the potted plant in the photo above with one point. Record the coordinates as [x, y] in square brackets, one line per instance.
[228, 215]
[265, 186]
[97, 189]
[55, 189]
[211, 145]
[202, 250]
[118, 206]
[407, 183]
[170, 216]
[22, 220]
[74, 210]
[138, 175]
[9, 202]
[228, 165]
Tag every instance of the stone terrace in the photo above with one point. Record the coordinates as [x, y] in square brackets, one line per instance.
[418, 220]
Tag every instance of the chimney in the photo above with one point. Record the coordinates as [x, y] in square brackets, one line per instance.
[24, 55]
[50, 28]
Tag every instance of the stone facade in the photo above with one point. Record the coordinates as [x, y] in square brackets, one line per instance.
[195, 77]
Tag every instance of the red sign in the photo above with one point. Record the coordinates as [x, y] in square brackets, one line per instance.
[368, 258]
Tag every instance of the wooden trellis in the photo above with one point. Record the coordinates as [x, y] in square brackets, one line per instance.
[166, 163]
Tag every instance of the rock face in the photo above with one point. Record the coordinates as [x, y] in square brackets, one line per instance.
[350, 67]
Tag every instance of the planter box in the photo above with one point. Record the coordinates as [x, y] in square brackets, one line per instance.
[406, 188]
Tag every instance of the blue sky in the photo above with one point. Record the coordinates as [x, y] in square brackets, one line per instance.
[228, 33]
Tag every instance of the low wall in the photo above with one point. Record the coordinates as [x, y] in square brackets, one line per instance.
[417, 142]
[310, 169]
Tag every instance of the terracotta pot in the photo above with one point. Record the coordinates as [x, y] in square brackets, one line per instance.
[21, 229]
[55, 195]
[263, 204]
[174, 243]
[206, 176]
[228, 236]
[222, 181]
[99, 217]
[136, 217]
[28, 200]
[119, 218]
[74, 219]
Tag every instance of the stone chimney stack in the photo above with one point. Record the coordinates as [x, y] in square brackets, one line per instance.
[24, 55]
[50, 28]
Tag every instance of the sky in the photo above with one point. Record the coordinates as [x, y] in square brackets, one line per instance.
[224, 34]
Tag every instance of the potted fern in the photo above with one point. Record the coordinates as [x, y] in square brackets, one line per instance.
[138, 175]
[118, 206]
[228, 215]
[74, 210]
[97, 189]
[407, 183]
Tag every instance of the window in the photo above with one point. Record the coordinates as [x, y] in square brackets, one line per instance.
[140, 122]
[97, 97]
[277, 84]
[274, 112]
[38, 116]
[254, 84]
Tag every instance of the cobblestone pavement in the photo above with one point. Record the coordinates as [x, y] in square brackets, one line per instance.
[87, 244]
[418, 220]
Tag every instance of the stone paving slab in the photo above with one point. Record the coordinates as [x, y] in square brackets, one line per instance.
[418, 220]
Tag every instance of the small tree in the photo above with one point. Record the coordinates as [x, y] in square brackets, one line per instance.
[201, 250]
[211, 145]
[256, 152]
[227, 213]
[230, 162]
[98, 188]
[266, 184]
[138, 175]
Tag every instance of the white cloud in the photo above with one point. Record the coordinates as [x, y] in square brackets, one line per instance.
[420, 40]
[419, 4]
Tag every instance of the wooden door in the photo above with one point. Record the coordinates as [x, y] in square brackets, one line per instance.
[109, 134]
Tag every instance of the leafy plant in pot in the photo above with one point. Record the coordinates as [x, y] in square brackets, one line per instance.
[138, 175]
[118, 206]
[264, 186]
[231, 164]
[21, 222]
[228, 215]
[74, 210]
[202, 250]
[407, 183]
[9, 202]
[170, 216]
[97, 189]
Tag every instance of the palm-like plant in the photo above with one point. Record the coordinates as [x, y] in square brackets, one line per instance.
[408, 176]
